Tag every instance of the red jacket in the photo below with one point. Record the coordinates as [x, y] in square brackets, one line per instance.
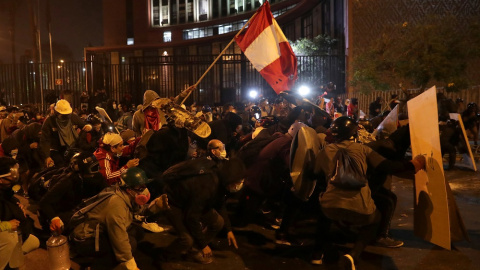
[109, 167]
[108, 163]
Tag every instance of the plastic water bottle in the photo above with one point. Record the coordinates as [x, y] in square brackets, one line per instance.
[58, 252]
[17, 259]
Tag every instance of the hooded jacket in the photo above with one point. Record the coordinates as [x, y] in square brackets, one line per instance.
[197, 194]
[138, 122]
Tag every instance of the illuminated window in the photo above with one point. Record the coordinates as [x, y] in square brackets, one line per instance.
[203, 10]
[167, 36]
[130, 41]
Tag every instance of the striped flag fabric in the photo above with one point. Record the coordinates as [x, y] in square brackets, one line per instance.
[267, 48]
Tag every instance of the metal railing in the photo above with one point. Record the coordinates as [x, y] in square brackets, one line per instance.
[228, 81]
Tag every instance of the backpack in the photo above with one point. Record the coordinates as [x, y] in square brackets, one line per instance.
[43, 180]
[347, 173]
[88, 204]
[188, 169]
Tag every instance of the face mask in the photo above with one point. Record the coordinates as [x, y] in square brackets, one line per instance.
[13, 175]
[236, 188]
[223, 154]
[64, 117]
[142, 198]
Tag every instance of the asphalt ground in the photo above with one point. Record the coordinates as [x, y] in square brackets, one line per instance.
[257, 249]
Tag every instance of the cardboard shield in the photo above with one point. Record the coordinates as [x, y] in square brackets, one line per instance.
[305, 147]
[468, 158]
[436, 217]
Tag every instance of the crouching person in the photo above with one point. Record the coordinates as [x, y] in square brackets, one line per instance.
[197, 205]
[347, 199]
[12, 216]
[102, 228]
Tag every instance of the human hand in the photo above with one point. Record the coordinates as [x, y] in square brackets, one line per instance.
[231, 239]
[162, 202]
[56, 225]
[207, 252]
[419, 162]
[191, 88]
[34, 145]
[132, 163]
[49, 162]
[23, 209]
[14, 224]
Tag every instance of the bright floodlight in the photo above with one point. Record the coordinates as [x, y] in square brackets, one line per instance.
[253, 93]
[304, 90]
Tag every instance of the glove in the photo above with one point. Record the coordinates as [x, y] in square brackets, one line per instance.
[419, 162]
[56, 225]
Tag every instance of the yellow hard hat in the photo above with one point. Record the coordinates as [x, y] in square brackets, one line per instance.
[63, 107]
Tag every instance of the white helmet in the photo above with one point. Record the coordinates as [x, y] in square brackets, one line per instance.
[112, 139]
[63, 107]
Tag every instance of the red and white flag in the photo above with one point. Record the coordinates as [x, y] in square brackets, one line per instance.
[267, 48]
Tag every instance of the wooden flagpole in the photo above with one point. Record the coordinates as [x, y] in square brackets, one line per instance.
[218, 57]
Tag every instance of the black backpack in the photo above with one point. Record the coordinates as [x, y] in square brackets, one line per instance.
[347, 173]
[43, 180]
[188, 169]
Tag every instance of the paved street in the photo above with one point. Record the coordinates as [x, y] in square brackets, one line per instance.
[258, 251]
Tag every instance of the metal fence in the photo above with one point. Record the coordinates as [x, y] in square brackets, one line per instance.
[228, 81]
[468, 95]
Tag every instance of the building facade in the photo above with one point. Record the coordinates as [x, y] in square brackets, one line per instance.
[170, 34]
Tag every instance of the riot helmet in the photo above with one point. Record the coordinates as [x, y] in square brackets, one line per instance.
[134, 177]
[344, 128]
[85, 163]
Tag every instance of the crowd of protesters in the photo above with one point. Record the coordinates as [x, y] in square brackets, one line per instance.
[127, 168]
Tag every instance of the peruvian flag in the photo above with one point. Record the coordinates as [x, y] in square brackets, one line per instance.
[267, 48]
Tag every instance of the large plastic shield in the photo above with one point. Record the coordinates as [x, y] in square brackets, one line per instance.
[304, 149]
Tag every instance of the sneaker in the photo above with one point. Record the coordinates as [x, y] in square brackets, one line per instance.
[286, 240]
[199, 258]
[388, 242]
[153, 227]
[317, 258]
[348, 262]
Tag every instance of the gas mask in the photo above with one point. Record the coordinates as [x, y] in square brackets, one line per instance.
[141, 198]
[12, 179]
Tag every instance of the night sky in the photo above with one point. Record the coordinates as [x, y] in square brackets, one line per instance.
[75, 24]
